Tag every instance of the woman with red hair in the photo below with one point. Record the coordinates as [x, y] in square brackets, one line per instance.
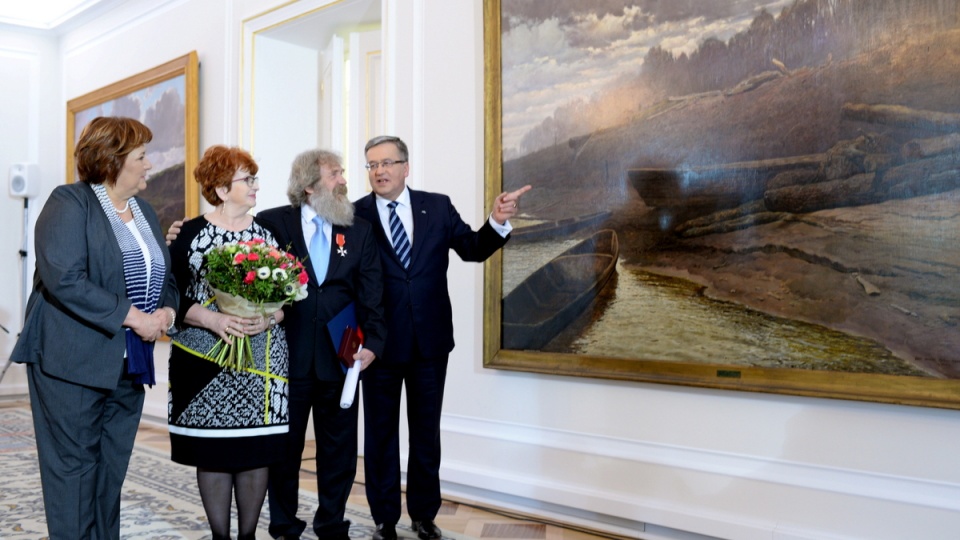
[228, 423]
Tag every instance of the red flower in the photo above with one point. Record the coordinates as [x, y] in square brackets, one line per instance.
[251, 276]
[303, 278]
[253, 257]
[239, 258]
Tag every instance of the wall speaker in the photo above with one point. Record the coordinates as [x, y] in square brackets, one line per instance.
[24, 180]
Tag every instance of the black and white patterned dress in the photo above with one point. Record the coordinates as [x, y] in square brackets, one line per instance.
[220, 418]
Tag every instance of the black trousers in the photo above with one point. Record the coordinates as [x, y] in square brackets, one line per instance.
[382, 383]
[335, 430]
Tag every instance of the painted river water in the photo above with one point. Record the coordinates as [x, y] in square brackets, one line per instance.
[644, 315]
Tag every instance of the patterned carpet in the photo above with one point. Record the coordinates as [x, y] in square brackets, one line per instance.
[160, 498]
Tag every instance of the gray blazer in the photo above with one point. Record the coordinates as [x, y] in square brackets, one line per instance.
[74, 320]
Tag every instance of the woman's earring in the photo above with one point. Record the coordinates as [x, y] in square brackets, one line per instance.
[223, 199]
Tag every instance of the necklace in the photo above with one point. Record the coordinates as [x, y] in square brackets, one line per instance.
[125, 207]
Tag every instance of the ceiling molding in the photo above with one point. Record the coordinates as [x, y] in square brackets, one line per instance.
[70, 15]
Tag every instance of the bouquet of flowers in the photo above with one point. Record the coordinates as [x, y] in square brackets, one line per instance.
[251, 279]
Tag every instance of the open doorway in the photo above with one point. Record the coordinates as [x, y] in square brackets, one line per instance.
[314, 79]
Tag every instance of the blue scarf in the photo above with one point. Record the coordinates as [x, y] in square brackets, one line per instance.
[144, 295]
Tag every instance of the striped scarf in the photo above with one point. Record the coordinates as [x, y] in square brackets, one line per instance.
[144, 295]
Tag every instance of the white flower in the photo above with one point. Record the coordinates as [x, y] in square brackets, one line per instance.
[279, 273]
[301, 294]
[263, 272]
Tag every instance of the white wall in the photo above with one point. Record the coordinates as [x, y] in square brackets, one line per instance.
[287, 128]
[30, 125]
[646, 460]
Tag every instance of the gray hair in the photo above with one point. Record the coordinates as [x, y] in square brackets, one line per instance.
[382, 139]
[305, 172]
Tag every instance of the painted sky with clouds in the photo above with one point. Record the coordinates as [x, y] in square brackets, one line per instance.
[161, 108]
[557, 51]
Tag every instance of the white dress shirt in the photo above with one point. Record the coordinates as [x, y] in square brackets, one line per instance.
[307, 213]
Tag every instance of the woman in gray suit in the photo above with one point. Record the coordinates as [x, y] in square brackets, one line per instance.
[103, 294]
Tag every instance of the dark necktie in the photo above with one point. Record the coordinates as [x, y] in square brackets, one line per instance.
[400, 242]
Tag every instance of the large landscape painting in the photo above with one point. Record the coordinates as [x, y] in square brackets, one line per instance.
[758, 195]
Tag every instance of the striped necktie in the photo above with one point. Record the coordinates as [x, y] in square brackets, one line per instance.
[400, 242]
[319, 251]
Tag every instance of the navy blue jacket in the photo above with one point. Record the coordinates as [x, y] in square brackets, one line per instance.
[416, 299]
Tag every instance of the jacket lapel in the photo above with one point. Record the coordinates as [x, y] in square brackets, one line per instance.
[334, 249]
[367, 209]
[421, 219]
[105, 238]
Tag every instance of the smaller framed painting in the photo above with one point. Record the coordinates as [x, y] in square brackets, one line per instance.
[165, 99]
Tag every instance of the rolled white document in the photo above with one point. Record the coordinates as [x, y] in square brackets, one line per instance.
[350, 384]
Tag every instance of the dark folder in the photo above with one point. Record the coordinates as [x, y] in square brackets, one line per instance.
[346, 335]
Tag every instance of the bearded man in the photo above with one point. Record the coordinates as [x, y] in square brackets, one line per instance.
[343, 261]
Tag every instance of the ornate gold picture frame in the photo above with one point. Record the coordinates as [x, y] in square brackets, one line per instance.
[807, 194]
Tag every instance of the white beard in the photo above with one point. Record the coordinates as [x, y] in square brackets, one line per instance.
[331, 207]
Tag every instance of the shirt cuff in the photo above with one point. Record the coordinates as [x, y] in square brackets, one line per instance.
[502, 230]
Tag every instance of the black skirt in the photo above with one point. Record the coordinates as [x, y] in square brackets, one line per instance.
[225, 419]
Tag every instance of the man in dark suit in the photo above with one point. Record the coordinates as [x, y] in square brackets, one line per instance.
[318, 205]
[423, 227]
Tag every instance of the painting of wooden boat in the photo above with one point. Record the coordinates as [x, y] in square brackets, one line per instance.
[545, 303]
[558, 227]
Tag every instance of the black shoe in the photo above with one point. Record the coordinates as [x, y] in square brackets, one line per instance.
[426, 529]
[385, 532]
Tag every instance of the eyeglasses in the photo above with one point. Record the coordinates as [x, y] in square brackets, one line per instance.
[374, 165]
[250, 180]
